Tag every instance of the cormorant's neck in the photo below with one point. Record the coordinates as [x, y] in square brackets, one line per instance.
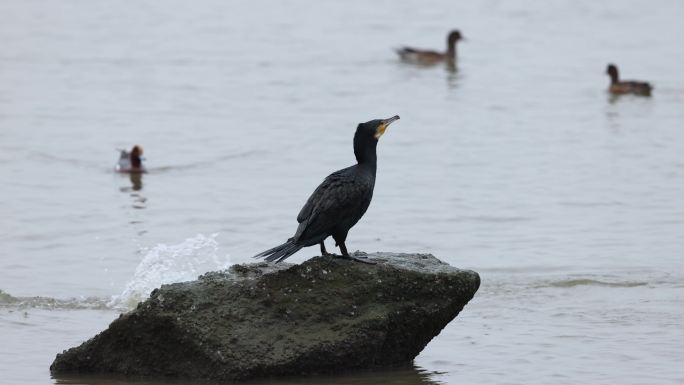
[365, 151]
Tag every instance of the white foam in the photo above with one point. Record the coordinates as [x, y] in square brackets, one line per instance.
[165, 264]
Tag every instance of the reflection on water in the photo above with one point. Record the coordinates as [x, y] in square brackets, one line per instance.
[614, 98]
[452, 74]
[412, 375]
[136, 181]
[415, 70]
[622, 109]
[451, 66]
[134, 189]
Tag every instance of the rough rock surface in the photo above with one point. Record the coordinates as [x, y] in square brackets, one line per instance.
[259, 320]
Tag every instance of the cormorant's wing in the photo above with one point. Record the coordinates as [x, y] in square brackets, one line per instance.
[305, 212]
[341, 198]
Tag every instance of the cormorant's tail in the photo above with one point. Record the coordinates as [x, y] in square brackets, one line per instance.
[280, 252]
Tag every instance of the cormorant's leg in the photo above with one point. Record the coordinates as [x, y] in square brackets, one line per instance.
[345, 255]
[324, 252]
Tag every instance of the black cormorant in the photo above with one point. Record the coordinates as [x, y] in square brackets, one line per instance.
[340, 201]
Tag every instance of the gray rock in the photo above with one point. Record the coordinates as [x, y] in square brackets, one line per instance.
[259, 320]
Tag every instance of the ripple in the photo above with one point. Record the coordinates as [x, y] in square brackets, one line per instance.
[591, 204]
[48, 303]
[567, 283]
[490, 219]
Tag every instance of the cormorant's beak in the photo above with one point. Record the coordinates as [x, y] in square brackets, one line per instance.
[383, 126]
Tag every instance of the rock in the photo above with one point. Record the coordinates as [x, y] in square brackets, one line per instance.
[259, 320]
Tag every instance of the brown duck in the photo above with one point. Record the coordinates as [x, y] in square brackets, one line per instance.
[618, 87]
[420, 56]
[131, 162]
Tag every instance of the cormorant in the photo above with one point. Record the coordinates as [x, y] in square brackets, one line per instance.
[131, 162]
[340, 201]
[618, 87]
[420, 56]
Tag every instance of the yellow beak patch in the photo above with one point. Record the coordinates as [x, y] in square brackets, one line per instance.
[381, 130]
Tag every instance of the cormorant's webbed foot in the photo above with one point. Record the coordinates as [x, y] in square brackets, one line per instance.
[345, 255]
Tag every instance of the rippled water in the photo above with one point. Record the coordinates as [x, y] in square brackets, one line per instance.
[517, 165]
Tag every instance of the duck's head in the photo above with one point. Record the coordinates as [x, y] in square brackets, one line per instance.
[137, 151]
[136, 156]
[367, 135]
[454, 36]
[612, 71]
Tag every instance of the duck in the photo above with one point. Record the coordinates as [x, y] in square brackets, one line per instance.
[420, 56]
[618, 87]
[131, 162]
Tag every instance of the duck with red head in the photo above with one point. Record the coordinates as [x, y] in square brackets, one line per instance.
[427, 57]
[131, 162]
[618, 87]
[340, 201]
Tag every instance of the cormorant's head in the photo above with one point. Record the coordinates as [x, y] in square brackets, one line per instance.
[454, 36]
[612, 71]
[374, 128]
[367, 135]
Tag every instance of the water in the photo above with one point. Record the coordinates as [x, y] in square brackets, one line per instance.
[518, 166]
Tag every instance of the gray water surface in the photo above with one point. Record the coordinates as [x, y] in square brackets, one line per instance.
[517, 165]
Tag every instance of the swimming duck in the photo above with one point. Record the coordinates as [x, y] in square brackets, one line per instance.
[618, 87]
[131, 162]
[420, 56]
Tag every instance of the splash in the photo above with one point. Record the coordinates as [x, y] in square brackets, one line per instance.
[165, 264]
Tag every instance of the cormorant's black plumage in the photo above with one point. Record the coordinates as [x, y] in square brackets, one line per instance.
[340, 201]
